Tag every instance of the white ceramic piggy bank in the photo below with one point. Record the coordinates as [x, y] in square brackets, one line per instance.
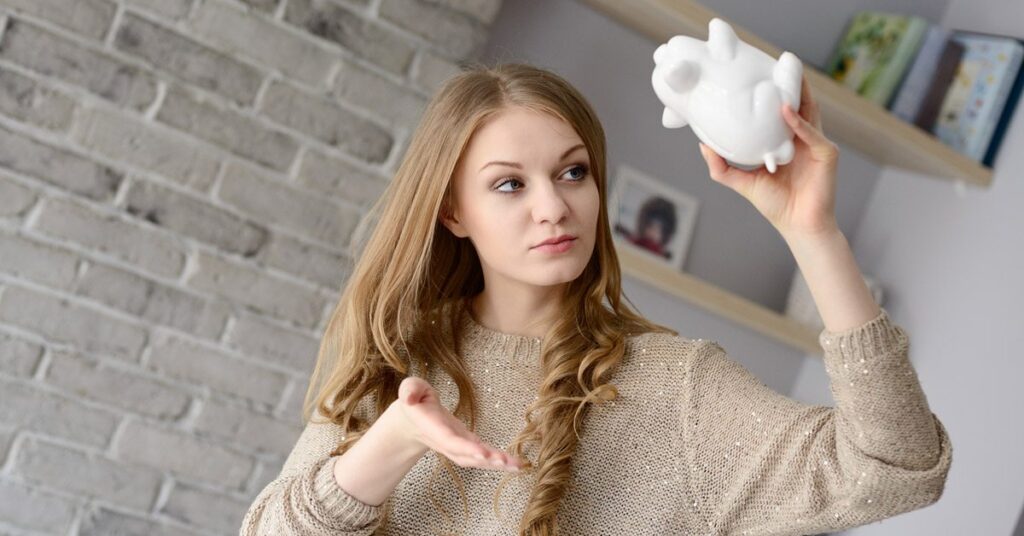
[731, 95]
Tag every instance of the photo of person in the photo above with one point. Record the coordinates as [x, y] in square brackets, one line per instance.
[652, 217]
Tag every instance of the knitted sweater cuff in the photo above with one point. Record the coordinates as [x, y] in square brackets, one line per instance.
[337, 503]
[877, 336]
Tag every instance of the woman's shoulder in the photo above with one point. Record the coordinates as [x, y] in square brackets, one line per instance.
[661, 344]
[658, 350]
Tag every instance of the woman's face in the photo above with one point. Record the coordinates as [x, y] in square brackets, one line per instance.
[524, 178]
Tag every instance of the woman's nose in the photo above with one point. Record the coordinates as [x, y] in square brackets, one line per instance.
[550, 204]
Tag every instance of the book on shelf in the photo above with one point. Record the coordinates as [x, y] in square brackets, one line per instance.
[875, 51]
[924, 87]
[983, 95]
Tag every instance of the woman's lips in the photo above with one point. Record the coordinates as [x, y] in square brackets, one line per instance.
[560, 247]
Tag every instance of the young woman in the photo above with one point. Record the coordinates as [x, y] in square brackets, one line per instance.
[477, 378]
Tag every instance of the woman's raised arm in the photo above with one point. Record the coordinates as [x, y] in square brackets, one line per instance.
[763, 463]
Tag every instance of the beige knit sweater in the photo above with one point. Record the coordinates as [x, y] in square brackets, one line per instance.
[694, 445]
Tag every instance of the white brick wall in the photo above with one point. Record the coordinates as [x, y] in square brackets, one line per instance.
[179, 183]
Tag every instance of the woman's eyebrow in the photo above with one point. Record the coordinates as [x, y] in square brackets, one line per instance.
[518, 165]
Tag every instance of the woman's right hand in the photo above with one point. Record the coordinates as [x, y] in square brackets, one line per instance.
[423, 420]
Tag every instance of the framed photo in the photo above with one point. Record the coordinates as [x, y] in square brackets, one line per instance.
[651, 217]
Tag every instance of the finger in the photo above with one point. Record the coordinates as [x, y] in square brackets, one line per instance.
[807, 132]
[720, 170]
[808, 106]
[716, 164]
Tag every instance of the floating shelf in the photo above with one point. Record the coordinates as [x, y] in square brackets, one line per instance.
[717, 300]
[846, 117]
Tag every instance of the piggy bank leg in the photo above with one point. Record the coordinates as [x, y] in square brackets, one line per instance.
[767, 100]
[722, 40]
[682, 75]
[787, 75]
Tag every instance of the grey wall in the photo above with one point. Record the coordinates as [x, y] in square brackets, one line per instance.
[179, 180]
[951, 262]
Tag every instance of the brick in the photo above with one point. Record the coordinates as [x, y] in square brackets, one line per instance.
[259, 290]
[293, 405]
[18, 357]
[431, 71]
[172, 9]
[456, 34]
[240, 426]
[6, 439]
[152, 300]
[235, 132]
[274, 202]
[90, 18]
[267, 472]
[75, 373]
[194, 217]
[25, 507]
[114, 287]
[29, 101]
[340, 179]
[484, 11]
[257, 337]
[266, 43]
[87, 474]
[15, 199]
[326, 121]
[151, 251]
[360, 87]
[104, 522]
[24, 406]
[310, 262]
[102, 74]
[268, 6]
[188, 60]
[199, 315]
[353, 31]
[59, 320]
[56, 166]
[122, 137]
[191, 362]
[183, 455]
[204, 508]
[29, 259]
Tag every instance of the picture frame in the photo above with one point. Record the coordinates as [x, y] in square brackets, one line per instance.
[668, 215]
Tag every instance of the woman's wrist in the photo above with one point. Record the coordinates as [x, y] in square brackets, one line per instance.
[398, 430]
[371, 468]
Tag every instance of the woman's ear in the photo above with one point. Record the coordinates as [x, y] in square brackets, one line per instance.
[451, 221]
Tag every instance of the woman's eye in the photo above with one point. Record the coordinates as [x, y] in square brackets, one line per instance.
[582, 174]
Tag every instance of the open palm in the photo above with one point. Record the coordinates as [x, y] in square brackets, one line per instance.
[800, 196]
[429, 423]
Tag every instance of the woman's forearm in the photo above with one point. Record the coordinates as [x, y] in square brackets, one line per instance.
[834, 279]
[372, 467]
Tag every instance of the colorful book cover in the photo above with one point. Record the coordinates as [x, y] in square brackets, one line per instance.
[976, 100]
[1004, 118]
[875, 52]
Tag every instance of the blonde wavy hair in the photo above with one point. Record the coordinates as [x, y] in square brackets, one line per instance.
[412, 269]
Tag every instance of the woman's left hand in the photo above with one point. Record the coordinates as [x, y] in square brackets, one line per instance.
[799, 198]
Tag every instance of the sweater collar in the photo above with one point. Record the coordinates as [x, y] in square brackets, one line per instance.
[508, 347]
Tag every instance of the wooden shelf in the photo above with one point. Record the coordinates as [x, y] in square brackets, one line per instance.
[846, 117]
[718, 300]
